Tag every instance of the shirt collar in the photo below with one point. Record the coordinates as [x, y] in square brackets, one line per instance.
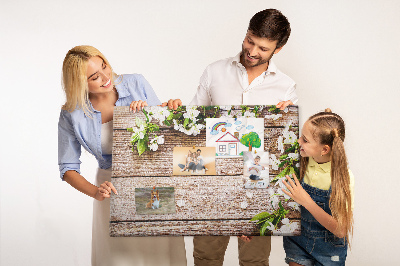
[272, 68]
[122, 90]
[326, 167]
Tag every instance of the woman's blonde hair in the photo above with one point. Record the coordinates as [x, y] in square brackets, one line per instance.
[74, 78]
[329, 129]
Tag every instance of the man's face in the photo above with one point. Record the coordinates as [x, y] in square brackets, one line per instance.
[198, 153]
[257, 51]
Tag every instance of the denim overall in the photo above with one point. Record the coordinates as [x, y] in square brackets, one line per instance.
[316, 245]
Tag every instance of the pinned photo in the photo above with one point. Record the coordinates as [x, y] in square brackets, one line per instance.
[233, 136]
[156, 200]
[194, 161]
[256, 169]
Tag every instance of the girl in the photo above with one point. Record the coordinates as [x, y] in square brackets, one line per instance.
[92, 90]
[325, 194]
[189, 159]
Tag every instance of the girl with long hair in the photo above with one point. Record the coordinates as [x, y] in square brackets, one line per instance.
[325, 193]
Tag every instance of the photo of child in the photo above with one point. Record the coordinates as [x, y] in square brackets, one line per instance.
[256, 169]
[198, 161]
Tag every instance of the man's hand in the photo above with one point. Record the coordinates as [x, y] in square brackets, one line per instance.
[172, 104]
[283, 105]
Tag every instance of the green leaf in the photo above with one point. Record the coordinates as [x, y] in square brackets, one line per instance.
[147, 117]
[167, 123]
[263, 229]
[284, 156]
[282, 164]
[141, 146]
[185, 122]
[129, 129]
[261, 216]
[135, 138]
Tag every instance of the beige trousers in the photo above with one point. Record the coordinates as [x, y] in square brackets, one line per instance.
[210, 250]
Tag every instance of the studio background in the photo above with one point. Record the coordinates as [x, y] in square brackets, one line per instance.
[343, 54]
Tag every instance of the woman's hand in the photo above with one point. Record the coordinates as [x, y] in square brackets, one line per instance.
[104, 191]
[172, 104]
[137, 105]
[296, 191]
[283, 105]
[246, 239]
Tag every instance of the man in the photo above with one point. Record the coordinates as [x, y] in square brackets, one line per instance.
[249, 78]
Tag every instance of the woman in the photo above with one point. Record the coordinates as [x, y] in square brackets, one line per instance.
[92, 90]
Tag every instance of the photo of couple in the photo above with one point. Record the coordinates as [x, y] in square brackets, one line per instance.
[189, 161]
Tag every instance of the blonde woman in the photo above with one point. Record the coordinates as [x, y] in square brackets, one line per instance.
[92, 90]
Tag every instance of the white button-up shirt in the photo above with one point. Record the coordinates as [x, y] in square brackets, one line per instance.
[225, 82]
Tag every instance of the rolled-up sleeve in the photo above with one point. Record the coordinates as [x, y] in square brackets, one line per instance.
[69, 149]
[202, 96]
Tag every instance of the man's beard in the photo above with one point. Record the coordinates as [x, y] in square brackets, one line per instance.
[260, 61]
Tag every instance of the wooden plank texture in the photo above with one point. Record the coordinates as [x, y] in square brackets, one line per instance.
[204, 205]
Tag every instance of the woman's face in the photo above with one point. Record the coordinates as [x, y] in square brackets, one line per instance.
[98, 76]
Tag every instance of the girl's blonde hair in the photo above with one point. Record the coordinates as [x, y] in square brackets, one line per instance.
[74, 79]
[329, 129]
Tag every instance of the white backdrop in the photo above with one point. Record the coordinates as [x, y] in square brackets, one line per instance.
[343, 55]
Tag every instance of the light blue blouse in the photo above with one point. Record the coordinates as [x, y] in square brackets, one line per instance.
[75, 129]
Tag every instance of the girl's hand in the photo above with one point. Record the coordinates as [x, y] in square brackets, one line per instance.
[246, 239]
[296, 191]
[104, 191]
[283, 105]
[137, 105]
[172, 104]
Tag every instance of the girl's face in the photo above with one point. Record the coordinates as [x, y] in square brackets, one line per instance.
[98, 76]
[309, 147]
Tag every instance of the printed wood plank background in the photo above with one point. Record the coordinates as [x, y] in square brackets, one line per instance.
[208, 205]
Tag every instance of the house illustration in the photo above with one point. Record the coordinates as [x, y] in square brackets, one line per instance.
[227, 145]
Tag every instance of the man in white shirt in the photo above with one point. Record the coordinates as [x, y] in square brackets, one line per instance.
[249, 78]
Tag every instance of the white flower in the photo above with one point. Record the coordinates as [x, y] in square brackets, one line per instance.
[280, 144]
[225, 107]
[293, 156]
[158, 113]
[249, 114]
[191, 112]
[141, 135]
[160, 139]
[153, 146]
[275, 201]
[294, 205]
[273, 116]
[290, 137]
[285, 221]
[270, 226]
[274, 162]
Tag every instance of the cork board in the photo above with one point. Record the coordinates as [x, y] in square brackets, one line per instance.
[167, 187]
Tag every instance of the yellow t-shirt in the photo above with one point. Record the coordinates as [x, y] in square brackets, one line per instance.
[319, 175]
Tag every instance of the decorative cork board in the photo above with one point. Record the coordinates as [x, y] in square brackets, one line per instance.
[198, 170]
